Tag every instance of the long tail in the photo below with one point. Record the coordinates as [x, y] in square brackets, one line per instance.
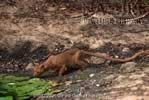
[107, 57]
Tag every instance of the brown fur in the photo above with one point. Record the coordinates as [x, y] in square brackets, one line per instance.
[60, 62]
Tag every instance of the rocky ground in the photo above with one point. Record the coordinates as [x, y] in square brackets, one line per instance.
[30, 34]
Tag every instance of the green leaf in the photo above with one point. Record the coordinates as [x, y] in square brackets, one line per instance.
[6, 98]
[24, 87]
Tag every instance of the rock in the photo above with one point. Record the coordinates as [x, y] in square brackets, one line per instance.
[111, 77]
[128, 67]
[137, 76]
[128, 83]
[50, 9]
[144, 87]
[29, 66]
[146, 93]
[133, 97]
[120, 78]
[97, 61]
[134, 88]
[146, 70]
[68, 83]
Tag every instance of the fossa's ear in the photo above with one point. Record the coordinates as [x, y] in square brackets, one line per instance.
[30, 66]
[34, 63]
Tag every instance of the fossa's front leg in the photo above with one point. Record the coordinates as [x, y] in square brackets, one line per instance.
[62, 70]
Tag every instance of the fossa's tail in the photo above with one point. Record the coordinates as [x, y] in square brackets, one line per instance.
[107, 57]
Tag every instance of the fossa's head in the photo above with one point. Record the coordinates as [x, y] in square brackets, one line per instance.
[38, 70]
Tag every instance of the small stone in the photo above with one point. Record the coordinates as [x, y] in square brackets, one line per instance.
[16, 65]
[134, 88]
[125, 49]
[94, 80]
[97, 85]
[9, 70]
[91, 75]
[78, 81]
[116, 56]
[67, 83]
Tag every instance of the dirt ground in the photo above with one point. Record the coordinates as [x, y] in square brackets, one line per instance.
[28, 34]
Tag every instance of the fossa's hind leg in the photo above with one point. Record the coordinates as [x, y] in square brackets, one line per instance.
[82, 64]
